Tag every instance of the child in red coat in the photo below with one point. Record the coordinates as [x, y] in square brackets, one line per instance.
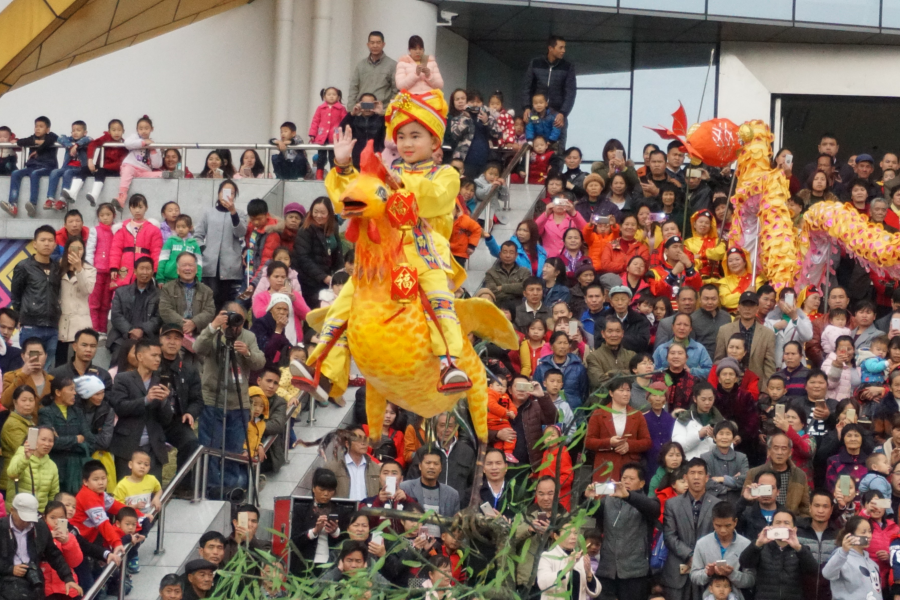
[93, 507]
[99, 247]
[108, 167]
[539, 163]
[327, 117]
[556, 449]
[54, 587]
[501, 412]
[135, 238]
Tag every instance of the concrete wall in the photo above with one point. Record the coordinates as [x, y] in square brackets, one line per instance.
[209, 82]
[193, 195]
[751, 72]
[212, 81]
[487, 74]
[452, 52]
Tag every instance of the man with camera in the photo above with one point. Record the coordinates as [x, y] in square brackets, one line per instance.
[758, 505]
[143, 405]
[26, 542]
[226, 336]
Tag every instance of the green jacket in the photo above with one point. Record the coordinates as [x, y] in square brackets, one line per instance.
[68, 454]
[13, 436]
[46, 477]
[174, 246]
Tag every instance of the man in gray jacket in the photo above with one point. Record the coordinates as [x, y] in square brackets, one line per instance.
[724, 544]
[223, 403]
[185, 300]
[431, 493]
[374, 74]
[627, 518]
[687, 518]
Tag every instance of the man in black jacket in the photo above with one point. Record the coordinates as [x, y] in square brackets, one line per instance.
[313, 533]
[82, 363]
[25, 542]
[755, 512]
[553, 76]
[12, 358]
[183, 379]
[637, 327]
[779, 564]
[820, 537]
[144, 408]
[366, 124]
[135, 308]
[34, 292]
[627, 518]
[458, 457]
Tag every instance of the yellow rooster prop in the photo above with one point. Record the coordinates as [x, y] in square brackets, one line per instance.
[389, 340]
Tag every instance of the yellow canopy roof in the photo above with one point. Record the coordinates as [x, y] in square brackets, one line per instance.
[41, 37]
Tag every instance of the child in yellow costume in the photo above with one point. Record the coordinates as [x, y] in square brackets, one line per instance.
[416, 123]
[737, 279]
[705, 245]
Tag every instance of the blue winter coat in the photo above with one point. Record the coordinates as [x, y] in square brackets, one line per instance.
[521, 257]
[542, 126]
[698, 360]
[575, 379]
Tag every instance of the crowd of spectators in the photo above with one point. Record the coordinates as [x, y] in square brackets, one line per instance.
[725, 439]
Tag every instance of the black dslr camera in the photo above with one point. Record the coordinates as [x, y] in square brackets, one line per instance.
[233, 322]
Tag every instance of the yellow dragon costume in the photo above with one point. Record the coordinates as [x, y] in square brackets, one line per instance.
[427, 251]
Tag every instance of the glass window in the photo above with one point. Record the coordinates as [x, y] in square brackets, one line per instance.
[758, 9]
[656, 96]
[686, 6]
[598, 115]
[604, 80]
[890, 13]
[838, 12]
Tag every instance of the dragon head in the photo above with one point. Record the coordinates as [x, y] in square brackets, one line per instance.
[367, 195]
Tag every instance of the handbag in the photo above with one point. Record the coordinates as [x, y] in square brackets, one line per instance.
[658, 553]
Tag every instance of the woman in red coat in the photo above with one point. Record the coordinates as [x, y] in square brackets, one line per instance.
[674, 271]
[136, 237]
[616, 433]
[389, 433]
[617, 254]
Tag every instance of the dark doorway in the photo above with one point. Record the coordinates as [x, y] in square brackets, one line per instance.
[862, 124]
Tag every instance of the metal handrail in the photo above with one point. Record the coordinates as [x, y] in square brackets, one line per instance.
[98, 156]
[170, 490]
[109, 571]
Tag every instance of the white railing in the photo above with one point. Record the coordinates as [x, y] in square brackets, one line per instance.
[183, 148]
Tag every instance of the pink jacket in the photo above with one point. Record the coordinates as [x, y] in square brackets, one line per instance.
[261, 303]
[552, 232]
[129, 245]
[841, 382]
[407, 79]
[830, 335]
[99, 245]
[326, 118]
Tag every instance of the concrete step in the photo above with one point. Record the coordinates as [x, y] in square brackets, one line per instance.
[521, 201]
[193, 195]
[184, 524]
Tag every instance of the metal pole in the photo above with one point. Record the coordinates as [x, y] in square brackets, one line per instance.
[312, 411]
[287, 438]
[123, 570]
[226, 356]
[527, 165]
[203, 487]
[160, 530]
[268, 162]
[198, 469]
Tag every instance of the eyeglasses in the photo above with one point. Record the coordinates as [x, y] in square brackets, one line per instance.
[895, 473]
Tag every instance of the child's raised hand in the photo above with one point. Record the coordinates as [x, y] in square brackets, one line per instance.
[343, 146]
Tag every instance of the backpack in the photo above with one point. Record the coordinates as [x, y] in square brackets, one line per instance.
[658, 553]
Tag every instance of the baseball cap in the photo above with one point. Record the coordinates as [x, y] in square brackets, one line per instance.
[749, 298]
[865, 158]
[171, 327]
[620, 289]
[26, 506]
[675, 239]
